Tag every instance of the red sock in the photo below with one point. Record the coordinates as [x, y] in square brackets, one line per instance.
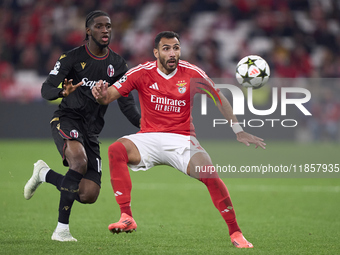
[120, 176]
[221, 199]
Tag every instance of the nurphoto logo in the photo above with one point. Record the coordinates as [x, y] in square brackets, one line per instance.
[301, 97]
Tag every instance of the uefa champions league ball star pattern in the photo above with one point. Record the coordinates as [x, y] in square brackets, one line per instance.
[252, 71]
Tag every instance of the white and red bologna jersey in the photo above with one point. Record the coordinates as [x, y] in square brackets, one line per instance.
[166, 100]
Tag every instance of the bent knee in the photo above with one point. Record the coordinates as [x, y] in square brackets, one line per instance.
[88, 198]
[88, 191]
[126, 150]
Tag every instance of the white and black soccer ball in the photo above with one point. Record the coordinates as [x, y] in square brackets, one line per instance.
[252, 71]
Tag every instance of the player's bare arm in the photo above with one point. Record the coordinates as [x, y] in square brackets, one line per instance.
[68, 87]
[104, 94]
[226, 109]
[242, 137]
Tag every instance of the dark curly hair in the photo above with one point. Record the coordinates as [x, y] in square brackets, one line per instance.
[91, 16]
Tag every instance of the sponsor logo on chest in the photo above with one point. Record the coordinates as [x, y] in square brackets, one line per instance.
[166, 104]
[88, 83]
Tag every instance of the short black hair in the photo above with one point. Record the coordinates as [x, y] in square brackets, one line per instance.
[165, 34]
[90, 18]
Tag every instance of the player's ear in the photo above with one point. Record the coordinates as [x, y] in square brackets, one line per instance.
[155, 52]
[88, 31]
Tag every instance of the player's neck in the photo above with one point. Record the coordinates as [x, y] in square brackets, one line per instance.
[163, 70]
[97, 51]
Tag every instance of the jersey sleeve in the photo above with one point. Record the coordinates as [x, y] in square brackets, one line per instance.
[128, 82]
[127, 103]
[128, 107]
[62, 67]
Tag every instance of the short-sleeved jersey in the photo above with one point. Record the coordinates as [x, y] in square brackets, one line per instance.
[80, 64]
[165, 100]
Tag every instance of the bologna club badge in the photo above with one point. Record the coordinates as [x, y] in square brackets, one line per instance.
[74, 133]
[110, 71]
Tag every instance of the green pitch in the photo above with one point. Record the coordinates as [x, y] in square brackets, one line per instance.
[174, 213]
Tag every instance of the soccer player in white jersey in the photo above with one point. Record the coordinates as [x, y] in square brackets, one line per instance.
[167, 136]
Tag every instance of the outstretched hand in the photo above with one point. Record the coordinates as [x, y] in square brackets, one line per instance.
[99, 91]
[69, 87]
[247, 139]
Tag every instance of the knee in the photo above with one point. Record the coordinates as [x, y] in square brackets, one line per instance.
[117, 151]
[210, 179]
[88, 197]
[113, 148]
[116, 148]
[207, 171]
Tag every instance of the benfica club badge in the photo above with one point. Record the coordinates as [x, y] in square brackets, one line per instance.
[110, 71]
[181, 87]
[74, 133]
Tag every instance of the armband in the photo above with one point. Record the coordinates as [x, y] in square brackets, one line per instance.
[236, 128]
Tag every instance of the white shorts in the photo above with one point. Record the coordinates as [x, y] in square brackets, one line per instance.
[164, 149]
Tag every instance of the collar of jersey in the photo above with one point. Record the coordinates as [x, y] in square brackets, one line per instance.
[167, 76]
[94, 56]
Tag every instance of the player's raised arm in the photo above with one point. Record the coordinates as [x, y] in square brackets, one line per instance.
[104, 94]
[226, 109]
[242, 137]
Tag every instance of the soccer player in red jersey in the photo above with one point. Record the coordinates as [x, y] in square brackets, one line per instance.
[167, 136]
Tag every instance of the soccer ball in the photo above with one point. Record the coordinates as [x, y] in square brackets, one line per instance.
[252, 71]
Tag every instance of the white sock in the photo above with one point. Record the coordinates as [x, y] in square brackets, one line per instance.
[42, 174]
[62, 226]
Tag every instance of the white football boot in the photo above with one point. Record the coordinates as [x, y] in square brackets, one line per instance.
[34, 182]
[63, 235]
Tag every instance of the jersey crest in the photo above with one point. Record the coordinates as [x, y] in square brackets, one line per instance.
[110, 70]
[74, 133]
[181, 86]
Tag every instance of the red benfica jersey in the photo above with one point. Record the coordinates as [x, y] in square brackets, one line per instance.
[166, 100]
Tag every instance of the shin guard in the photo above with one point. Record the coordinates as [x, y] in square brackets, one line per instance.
[68, 193]
[221, 199]
[120, 176]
